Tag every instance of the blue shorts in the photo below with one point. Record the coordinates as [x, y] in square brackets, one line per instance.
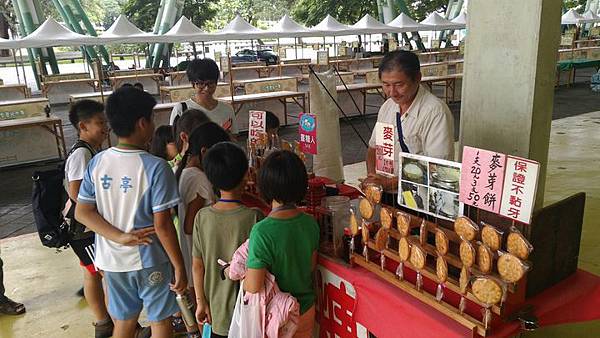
[149, 288]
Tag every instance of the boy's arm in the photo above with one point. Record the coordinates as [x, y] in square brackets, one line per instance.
[165, 231]
[203, 310]
[190, 213]
[88, 215]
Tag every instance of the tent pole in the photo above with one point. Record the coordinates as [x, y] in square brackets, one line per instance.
[22, 65]
[203, 51]
[296, 48]
[14, 53]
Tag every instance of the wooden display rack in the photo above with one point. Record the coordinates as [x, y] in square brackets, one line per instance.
[515, 293]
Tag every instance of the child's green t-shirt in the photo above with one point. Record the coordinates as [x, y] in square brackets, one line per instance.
[285, 248]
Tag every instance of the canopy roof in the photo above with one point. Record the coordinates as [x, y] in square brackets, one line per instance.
[51, 33]
[184, 30]
[286, 27]
[370, 25]
[436, 22]
[238, 29]
[405, 23]
[330, 26]
[461, 19]
[589, 17]
[570, 18]
[123, 31]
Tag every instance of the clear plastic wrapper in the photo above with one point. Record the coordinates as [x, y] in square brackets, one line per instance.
[373, 192]
[511, 268]
[463, 282]
[382, 261]
[466, 228]
[400, 271]
[489, 291]
[365, 240]
[403, 223]
[441, 270]
[381, 238]
[467, 253]
[404, 249]
[366, 209]
[485, 258]
[354, 227]
[517, 244]
[441, 242]
[418, 257]
[386, 218]
[491, 236]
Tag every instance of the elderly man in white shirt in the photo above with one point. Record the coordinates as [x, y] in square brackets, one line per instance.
[423, 121]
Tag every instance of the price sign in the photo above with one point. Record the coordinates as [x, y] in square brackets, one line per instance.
[482, 178]
[384, 147]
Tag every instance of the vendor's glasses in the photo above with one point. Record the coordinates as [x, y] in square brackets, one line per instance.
[202, 84]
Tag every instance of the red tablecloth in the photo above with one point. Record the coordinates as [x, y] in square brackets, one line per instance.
[387, 311]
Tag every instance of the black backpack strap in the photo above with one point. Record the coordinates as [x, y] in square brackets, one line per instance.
[183, 107]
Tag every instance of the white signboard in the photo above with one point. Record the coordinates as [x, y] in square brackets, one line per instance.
[520, 184]
[224, 63]
[257, 122]
[384, 145]
[323, 57]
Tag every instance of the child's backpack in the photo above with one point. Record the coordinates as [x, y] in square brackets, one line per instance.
[48, 200]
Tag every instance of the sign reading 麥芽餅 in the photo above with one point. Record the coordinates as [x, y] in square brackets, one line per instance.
[499, 183]
[384, 148]
[429, 185]
[257, 121]
[323, 57]
[520, 185]
[482, 178]
[307, 127]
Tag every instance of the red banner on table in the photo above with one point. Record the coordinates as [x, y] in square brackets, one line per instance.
[384, 148]
[257, 121]
[308, 133]
[482, 178]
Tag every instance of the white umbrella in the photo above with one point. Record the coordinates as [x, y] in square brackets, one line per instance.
[238, 29]
[51, 33]
[331, 27]
[570, 18]
[589, 17]
[286, 27]
[461, 19]
[8, 44]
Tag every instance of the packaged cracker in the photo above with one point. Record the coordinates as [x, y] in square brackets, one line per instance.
[491, 236]
[517, 244]
[465, 228]
[403, 223]
[441, 242]
[510, 267]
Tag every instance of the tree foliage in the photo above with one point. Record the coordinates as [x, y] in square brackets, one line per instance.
[420, 9]
[311, 12]
[256, 12]
[143, 13]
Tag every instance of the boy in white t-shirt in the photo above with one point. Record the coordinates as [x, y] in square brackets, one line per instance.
[125, 197]
[204, 75]
[87, 117]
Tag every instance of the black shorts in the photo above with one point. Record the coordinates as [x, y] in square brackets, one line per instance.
[84, 248]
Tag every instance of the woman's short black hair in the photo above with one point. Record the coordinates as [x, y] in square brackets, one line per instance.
[403, 61]
[283, 178]
[163, 135]
[203, 137]
[203, 70]
[225, 165]
[189, 120]
[272, 120]
[84, 110]
[125, 106]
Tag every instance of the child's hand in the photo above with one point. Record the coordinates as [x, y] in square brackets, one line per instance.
[180, 284]
[203, 314]
[136, 237]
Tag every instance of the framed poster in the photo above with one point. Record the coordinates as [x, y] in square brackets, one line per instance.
[430, 185]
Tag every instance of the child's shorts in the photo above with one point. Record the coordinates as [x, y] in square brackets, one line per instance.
[149, 288]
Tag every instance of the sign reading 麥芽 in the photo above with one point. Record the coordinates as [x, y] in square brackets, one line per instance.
[482, 178]
[520, 184]
[257, 121]
[384, 147]
[308, 133]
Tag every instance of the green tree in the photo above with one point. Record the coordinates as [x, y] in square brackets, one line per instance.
[311, 12]
[419, 10]
[579, 5]
[143, 13]
[256, 12]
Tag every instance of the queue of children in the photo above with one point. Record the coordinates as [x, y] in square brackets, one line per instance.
[155, 224]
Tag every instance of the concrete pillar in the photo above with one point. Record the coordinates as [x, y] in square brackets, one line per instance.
[508, 85]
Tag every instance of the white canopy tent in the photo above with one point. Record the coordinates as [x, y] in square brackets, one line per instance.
[184, 31]
[8, 44]
[571, 18]
[589, 17]
[123, 31]
[286, 27]
[238, 29]
[369, 25]
[331, 27]
[51, 33]
[461, 19]
[403, 23]
[437, 23]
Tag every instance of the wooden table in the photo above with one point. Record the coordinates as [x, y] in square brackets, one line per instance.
[115, 81]
[364, 89]
[52, 124]
[96, 96]
[182, 91]
[449, 83]
[239, 101]
[7, 89]
[46, 86]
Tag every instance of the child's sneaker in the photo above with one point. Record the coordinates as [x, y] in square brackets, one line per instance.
[104, 329]
[178, 325]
